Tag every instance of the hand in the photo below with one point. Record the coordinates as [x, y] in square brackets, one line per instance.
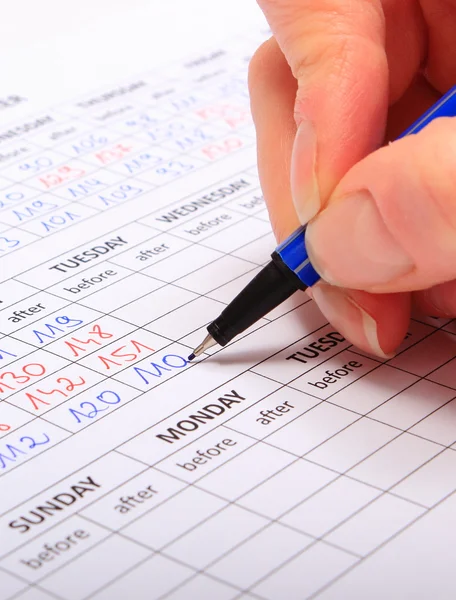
[338, 81]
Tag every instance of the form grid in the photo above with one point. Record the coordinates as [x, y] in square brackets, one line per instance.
[268, 476]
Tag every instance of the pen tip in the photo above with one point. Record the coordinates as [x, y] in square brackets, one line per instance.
[191, 357]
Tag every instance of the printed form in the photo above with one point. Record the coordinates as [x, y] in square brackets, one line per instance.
[287, 466]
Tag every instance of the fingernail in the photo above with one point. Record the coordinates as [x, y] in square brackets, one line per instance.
[349, 245]
[304, 183]
[349, 318]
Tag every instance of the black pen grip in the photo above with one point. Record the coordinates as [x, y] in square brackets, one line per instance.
[274, 284]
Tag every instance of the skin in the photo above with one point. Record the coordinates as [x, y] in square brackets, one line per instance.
[337, 82]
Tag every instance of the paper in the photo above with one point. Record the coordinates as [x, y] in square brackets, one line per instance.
[287, 466]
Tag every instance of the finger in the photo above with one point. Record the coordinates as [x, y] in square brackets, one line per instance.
[374, 323]
[406, 43]
[391, 225]
[415, 101]
[438, 301]
[336, 52]
[440, 16]
[272, 94]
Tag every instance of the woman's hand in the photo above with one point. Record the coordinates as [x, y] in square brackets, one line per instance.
[338, 80]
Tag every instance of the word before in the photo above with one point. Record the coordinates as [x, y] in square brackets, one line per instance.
[204, 457]
[337, 375]
[87, 282]
[52, 551]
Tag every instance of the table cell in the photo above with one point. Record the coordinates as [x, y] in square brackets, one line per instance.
[395, 461]
[246, 471]
[175, 517]
[249, 204]
[374, 389]
[428, 355]
[92, 280]
[216, 536]
[34, 594]
[54, 549]
[27, 442]
[205, 455]
[258, 556]
[35, 209]
[59, 175]
[122, 192]
[66, 321]
[87, 187]
[14, 239]
[179, 265]
[159, 247]
[274, 412]
[446, 375]
[204, 588]
[440, 426]
[303, 576]
[133, 499]
[330, 506]
[54, 390]
[239, 235]
[124, 352]
[215, 274]
[287, 488]
[122, 293]
[27, 311]
[258, 251]
[142, 163]
[413, 404]
[94, 570]
[374, 525]
[30, 167]
[92, 337]
[352, 445]
[11, 418]
[192, 316]
[162, 301]
[312, 429]
[335, 374]
[87, 140]
[12, 349]
[9, 585]
[28, 371]
[149, 581]
[432, 482]
[12, 291]
[89, 406]
[214, 222]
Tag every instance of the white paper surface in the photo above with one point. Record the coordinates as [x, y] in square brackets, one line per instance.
[287, 466]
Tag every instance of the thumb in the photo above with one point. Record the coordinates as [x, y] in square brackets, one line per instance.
[336, 52]
[391, 223]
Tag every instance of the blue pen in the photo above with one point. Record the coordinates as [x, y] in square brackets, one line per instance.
[290, 269]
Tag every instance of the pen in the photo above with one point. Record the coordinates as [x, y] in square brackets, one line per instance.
[290, 269]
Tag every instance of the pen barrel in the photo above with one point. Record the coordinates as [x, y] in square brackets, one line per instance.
[274, 284]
